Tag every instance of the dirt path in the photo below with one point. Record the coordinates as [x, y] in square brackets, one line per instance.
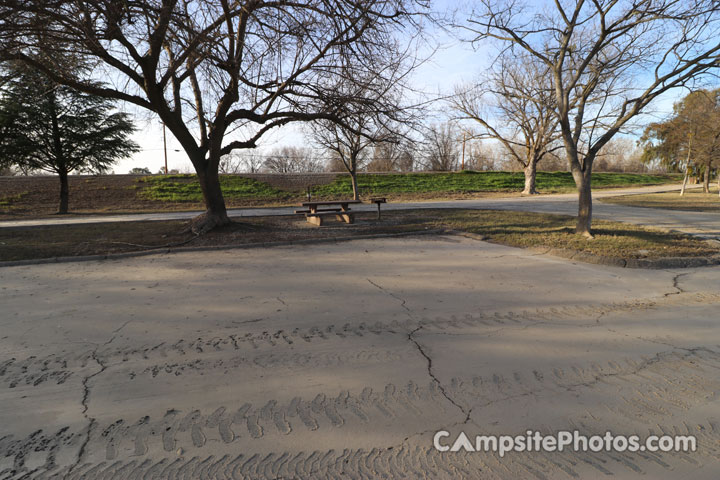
[342, 361]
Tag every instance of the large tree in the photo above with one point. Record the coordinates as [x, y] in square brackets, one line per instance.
[691, 136]
[608, 60]
[53, 128]
[514, 104]
[219, 73]
[348, 143]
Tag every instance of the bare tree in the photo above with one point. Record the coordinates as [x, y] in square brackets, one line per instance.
[293, 160]
[620, 155]
[514, 103]
[608, 60]
[555, 162]
[240, 162]
[219, 73]
[441, 147]
[371, 112]
[348, 146]
[393, 154]
[480, 156]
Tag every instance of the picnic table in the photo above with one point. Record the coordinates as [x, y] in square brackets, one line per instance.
[316, 211]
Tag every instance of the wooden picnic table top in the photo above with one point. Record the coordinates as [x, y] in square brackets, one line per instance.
[330, 202]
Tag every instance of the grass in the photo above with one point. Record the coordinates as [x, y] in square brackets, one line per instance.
[185, 188]
[10, 200]
[694, 200]
[518, 229]
[470, 181]
[612, 239]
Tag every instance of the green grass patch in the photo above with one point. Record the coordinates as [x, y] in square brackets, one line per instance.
[185, 188]
[470, 182]
[10, 200]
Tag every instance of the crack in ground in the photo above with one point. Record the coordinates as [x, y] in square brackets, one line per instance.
[434, 378]
[92, 422]
[676, 284]
[422, 351]
[401, 300]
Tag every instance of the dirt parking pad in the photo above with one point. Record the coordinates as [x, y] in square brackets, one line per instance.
[343, 360]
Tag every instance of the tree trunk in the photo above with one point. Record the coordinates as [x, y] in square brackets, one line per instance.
[685, 179]
[706, 179]
[215, 211]
[530, 175]
[718, 181]
[584, 218]
[64, 192]
[687, 167]
[356, 190]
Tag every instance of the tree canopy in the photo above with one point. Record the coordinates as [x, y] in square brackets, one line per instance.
[56, 129]
[691, 136]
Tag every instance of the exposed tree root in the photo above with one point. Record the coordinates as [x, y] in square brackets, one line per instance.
[206, 222]
[585, 233]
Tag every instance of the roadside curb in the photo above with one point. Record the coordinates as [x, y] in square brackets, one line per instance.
[167, 250]
[585, 257]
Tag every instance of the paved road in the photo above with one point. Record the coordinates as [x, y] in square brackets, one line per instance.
[705, 224]
[342, 361]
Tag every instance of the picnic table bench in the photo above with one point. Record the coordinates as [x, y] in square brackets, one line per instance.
[316, 211]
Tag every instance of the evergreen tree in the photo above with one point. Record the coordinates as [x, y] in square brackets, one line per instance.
[53, 128]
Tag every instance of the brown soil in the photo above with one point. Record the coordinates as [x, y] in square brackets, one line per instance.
[38, 197]
[19, 243]
[32, 197]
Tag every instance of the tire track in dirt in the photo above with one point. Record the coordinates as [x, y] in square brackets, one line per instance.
[58, 368]
[270, 360]
[404, 461]
[648, 390]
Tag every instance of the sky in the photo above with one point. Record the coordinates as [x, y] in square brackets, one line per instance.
[452, 63]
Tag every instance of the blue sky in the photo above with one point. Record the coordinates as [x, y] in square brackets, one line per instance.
[453, 62]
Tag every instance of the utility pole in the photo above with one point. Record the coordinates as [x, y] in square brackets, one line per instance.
[165, 148]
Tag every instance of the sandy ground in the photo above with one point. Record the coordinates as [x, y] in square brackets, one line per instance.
[342, 361]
